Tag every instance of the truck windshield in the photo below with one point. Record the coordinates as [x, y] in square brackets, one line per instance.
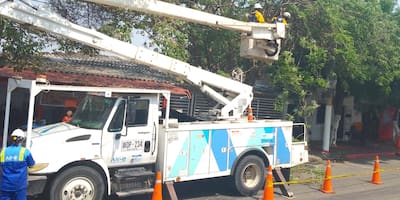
[92, 112]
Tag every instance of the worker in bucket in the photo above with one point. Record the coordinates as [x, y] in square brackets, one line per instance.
[256, 14]
[14, 162]
[284, 18]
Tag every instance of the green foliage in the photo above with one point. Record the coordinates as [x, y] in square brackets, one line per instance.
[170, 36]
[214, 49]
[20, 47]
[116, 23]
[200, 45]
[355, 40]
[295, 86]
[118, 29]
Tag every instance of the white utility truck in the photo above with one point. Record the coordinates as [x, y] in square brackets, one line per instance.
[119, 138]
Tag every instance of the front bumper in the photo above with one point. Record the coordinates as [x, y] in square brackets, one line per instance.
[36, 185]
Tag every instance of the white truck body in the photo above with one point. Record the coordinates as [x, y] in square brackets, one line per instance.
[203, 150]
[121, 135]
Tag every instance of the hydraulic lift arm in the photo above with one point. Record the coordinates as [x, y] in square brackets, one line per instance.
[237, 97]
[261, 41]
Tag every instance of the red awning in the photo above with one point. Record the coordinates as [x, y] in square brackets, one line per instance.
[94, 80]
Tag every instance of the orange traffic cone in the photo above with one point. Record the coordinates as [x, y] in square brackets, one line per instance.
[157, 194]
[327, 186]
[250, 116]
[376, 178]
[269, 186]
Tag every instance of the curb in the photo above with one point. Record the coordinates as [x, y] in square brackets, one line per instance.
[367, 155]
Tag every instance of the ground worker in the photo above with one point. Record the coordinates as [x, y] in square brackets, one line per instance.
[14, 162]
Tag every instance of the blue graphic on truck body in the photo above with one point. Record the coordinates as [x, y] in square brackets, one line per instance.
[220, 146]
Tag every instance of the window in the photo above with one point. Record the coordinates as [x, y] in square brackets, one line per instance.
[93, 112]
[118, 120]
[138, 112]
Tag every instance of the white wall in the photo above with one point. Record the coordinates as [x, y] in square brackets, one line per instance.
[317, 126]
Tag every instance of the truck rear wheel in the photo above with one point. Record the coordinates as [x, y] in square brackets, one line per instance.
[249, 175]
[79, 183]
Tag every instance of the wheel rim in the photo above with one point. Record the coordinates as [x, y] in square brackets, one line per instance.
[79, 188]
[251, 175]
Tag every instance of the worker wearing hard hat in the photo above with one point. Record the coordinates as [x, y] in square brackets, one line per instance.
[258, 13]
[14, 161]
[282, 19]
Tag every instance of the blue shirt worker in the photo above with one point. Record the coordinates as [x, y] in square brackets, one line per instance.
[252, 16]
[14, 162]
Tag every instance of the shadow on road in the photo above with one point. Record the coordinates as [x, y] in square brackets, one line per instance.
[204, 188]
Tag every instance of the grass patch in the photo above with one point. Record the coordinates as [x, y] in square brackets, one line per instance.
[307, 171]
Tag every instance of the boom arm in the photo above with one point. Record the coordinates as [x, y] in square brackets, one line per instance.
[238, 95]
[260, 41]
[187, 14]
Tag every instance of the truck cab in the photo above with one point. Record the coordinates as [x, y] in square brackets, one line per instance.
[119, 130]
[111, 140]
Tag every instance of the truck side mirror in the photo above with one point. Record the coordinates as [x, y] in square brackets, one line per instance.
[118, 136]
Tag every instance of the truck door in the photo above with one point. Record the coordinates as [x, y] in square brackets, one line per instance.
[130, 136]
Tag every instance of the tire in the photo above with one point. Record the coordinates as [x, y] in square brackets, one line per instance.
[79, 183]
[249, 176]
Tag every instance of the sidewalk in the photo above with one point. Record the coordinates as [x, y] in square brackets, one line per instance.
[341, 153]
[351, 179]
[351, 165]
[347, 151]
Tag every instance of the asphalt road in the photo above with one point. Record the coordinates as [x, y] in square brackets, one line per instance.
[350, 180]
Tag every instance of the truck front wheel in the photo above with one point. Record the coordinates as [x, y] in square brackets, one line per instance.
[249, 175]
[80, 183]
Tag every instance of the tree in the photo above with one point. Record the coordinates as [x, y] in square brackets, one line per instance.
[110, 21]
[352, 40]
[20, 47]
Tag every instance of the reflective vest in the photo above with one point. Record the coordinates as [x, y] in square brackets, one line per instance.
[259, 17]
[279, 19]
[14, 161]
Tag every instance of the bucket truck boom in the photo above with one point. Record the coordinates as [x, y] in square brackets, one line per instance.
[237, 97]
[260, 41]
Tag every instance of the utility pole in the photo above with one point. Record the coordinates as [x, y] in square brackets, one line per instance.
[327, 125]
[332, 81]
